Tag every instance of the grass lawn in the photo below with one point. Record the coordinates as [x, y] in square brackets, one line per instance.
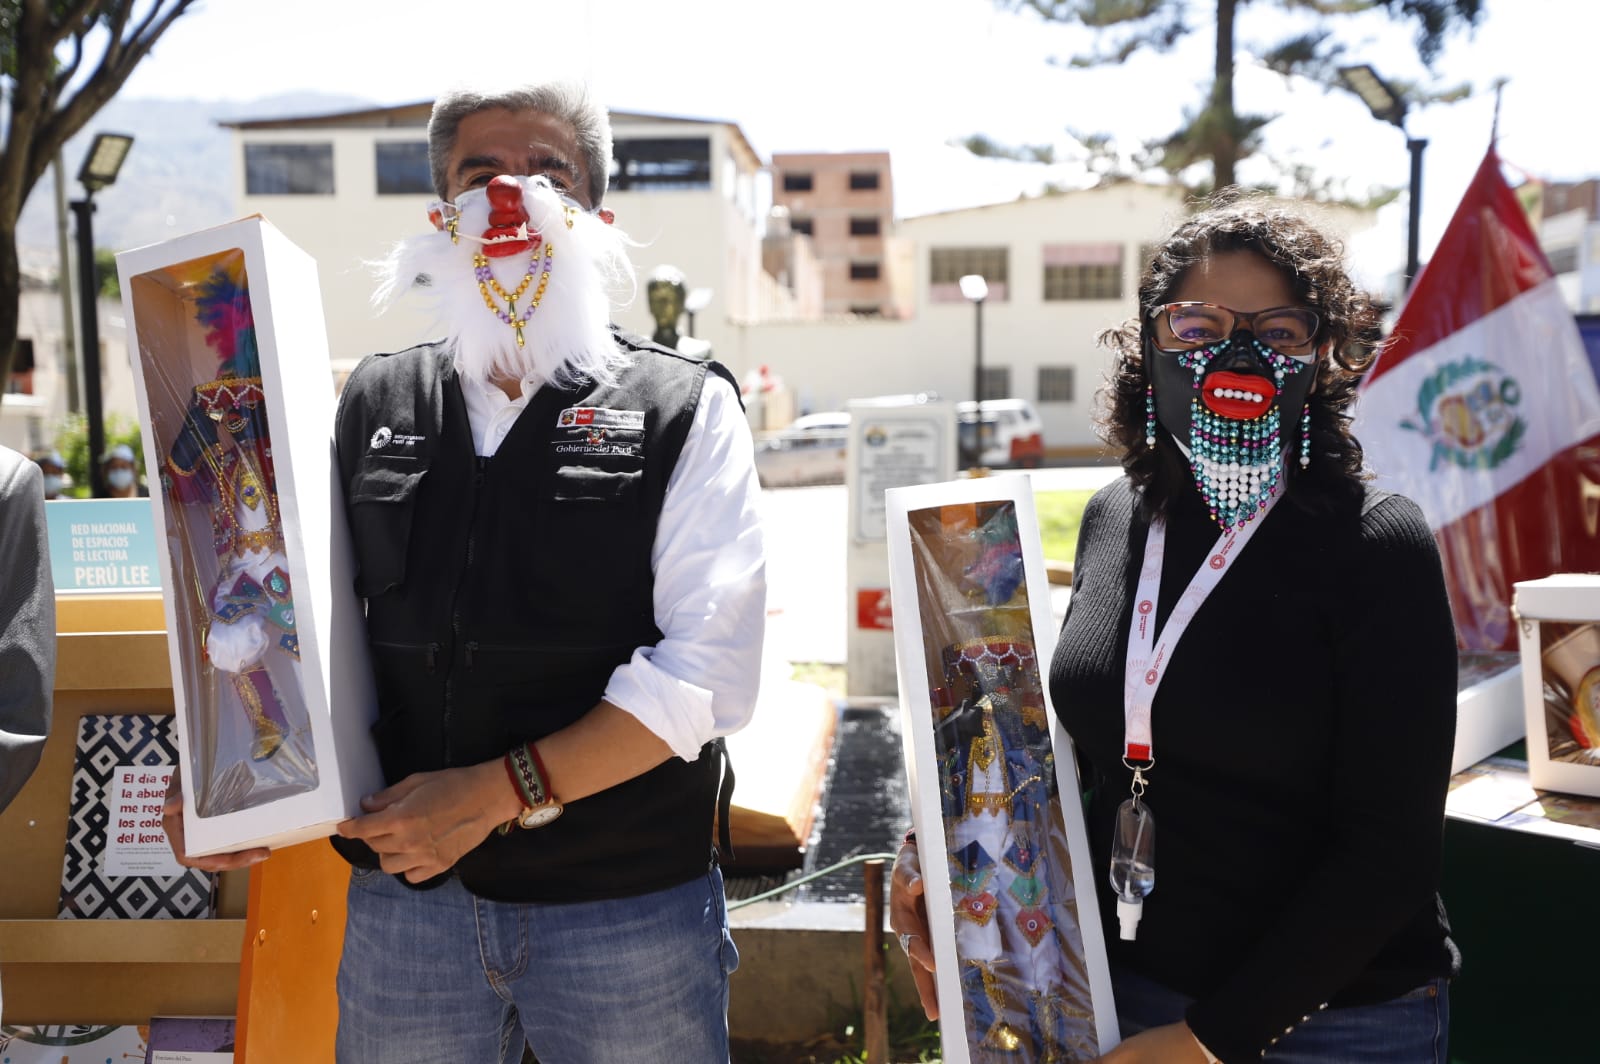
[1060, 513]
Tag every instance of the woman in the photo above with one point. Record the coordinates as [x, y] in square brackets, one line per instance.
[1293, 744]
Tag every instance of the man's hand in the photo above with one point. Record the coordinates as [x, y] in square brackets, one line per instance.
[1172, 1043]
[172, 821]
[908, 915]
[425, 823]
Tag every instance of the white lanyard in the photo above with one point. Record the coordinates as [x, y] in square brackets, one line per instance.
[1147, 665]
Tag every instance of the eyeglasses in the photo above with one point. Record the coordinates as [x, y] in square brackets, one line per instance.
[1287, 330]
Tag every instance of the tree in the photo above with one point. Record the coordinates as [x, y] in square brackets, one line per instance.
[1217, 130]
[60, 62]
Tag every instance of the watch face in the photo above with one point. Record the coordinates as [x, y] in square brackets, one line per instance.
[539, 815]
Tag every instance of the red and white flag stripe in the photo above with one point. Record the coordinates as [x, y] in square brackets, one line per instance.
[1483, 409]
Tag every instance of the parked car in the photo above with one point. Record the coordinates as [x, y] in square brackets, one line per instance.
[810, 451]
[1011, 433]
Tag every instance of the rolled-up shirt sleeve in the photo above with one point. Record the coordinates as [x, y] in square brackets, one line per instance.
[709, 559]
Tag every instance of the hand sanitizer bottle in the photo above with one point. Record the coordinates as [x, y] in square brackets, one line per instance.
[1133, 872]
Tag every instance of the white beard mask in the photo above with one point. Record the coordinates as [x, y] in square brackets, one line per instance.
[523, 294]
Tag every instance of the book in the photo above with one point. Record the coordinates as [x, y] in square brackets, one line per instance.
[118, 864]
[190, 1040]
[71, 1043]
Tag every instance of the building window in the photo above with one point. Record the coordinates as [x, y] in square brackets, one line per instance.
[1056, 384]
[946, 267]
[866, 227]
[863, 271]
[797, 182]
[661, 163]
[863, 180]
[803, 226]
[403, 168]
[22, 365]
[288, 169]
[1082, 271]
[997, 382]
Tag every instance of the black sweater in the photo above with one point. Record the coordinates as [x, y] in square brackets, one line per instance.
[1302, 737]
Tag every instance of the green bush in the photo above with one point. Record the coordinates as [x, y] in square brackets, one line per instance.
[73, 443]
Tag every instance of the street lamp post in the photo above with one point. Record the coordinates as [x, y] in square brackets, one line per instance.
[976, 289]
[697, 300]
[1387, 105]
[99, 170]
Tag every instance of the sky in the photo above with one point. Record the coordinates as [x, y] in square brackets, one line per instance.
[910, 76]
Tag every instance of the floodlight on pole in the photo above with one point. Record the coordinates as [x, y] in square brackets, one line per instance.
[976, 289]
[1387, 105]
[100, 168]
[104, 160]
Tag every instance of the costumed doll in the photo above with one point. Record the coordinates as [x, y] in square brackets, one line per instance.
[518, 277]
[222, 459]
[1015, 915]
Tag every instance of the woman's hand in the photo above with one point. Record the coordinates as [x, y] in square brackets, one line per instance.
[908, 918]
[1173, 1043]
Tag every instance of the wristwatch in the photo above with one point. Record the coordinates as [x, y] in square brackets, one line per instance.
[532, 782]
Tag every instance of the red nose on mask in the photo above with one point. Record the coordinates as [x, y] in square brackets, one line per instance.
[507, 217]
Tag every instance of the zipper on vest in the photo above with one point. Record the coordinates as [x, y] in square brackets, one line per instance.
[480, 474]
[471, 649]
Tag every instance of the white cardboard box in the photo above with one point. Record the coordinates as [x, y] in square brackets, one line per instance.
[991, 769]
[1489, 713]
[1559, 631]
[282, 426]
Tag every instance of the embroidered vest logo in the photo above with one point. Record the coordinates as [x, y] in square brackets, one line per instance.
[381, 438]
[1468, 411]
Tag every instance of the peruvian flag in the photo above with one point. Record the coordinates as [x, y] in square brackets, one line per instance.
[1484, 410]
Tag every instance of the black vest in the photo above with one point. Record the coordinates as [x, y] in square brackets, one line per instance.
[502, 592]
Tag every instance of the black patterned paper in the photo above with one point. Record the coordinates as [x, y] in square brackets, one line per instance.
[104, 742]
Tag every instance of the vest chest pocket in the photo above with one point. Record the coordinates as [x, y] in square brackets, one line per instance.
[382, 505]
[612, 485]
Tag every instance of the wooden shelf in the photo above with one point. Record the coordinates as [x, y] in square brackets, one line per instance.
[111, 657]
[217, 941]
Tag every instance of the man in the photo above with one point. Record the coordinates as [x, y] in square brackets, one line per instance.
[27, 623]
[556, 536]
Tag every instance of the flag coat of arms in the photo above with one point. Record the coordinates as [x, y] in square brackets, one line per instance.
[1484, 410]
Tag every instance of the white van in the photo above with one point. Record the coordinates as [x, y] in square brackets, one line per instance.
[1011, 433]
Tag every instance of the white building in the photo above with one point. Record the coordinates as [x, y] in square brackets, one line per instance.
[345, 186]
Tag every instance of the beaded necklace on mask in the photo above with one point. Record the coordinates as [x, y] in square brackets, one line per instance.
[486, 281]
[1237, 464]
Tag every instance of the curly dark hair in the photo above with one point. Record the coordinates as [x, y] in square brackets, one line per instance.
[1313, 264]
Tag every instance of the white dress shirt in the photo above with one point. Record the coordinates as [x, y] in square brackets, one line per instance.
[709, 561]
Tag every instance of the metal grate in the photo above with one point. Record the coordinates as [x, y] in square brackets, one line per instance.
[865, 808]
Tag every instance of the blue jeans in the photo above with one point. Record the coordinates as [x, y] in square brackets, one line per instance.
[442, 976]
[1410, 1029]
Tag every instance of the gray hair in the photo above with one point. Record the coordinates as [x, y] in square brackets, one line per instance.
[566, 101]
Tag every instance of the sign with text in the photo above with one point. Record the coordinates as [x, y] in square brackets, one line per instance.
[136, 843]
[894, 450]
[102, 545]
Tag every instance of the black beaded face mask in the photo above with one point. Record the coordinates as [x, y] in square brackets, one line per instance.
[1226, 404]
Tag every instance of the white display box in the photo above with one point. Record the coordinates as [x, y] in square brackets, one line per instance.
[267, 641]
[1489, 714]
[1010, 891]
[1559, 629]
